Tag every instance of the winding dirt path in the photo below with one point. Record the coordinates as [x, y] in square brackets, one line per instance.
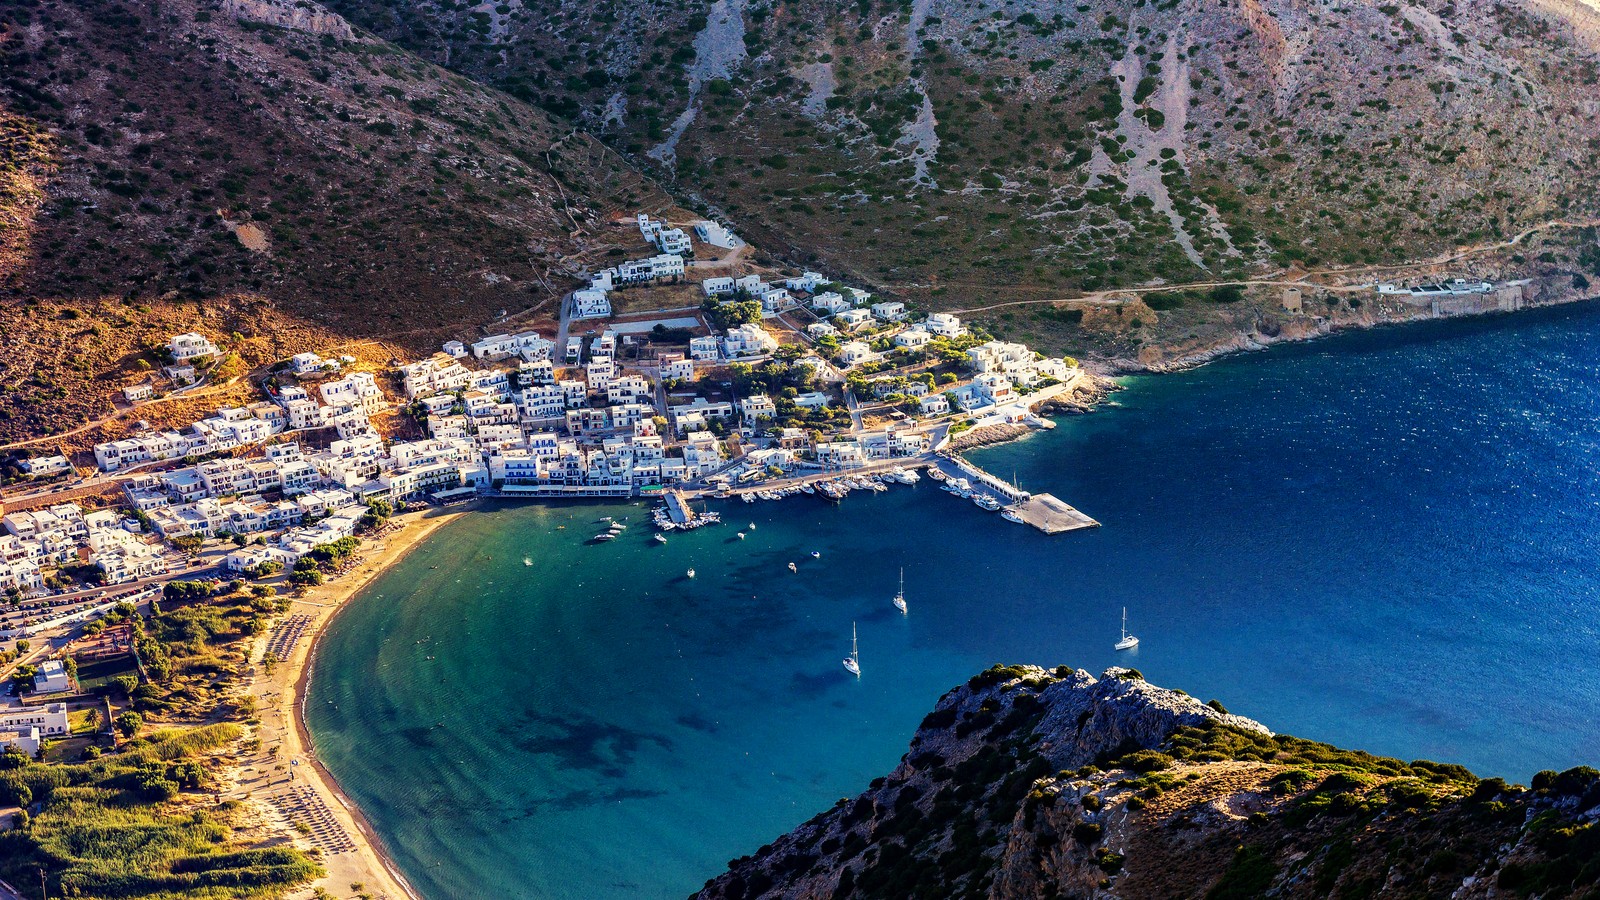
[1302, 279]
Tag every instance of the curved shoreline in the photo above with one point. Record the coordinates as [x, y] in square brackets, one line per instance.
[368, 834]
[376, 868]
[285, 738]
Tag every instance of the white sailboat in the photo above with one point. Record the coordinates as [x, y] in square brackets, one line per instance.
[900, 598]
[852, 663]
[1128, 641]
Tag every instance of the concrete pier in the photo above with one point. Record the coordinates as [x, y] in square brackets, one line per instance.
[1052, 516]
[1045, 512]
[678, 508]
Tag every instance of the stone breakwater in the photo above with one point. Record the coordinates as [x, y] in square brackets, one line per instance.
[986, 434]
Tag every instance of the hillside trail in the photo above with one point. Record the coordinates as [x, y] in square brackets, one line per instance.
[1301, 279]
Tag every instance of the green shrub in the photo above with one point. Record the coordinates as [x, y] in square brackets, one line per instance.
[1247, 877]
[1145, 761]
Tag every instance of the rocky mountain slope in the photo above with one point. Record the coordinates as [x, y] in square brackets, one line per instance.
[1027, 783]
[209, 151]
[1015, 148]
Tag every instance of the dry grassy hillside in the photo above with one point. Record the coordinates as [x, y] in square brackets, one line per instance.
[200, 158]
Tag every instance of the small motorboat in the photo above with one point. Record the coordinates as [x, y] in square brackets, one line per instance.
[816, 554]
[661, 539]
[752, 527]
[793, 567]
[527, 560]
[741, 535]
[689, 573]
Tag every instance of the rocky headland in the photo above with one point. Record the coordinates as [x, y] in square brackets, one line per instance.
[1034, 783]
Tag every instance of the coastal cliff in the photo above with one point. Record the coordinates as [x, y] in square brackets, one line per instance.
[1028, 783]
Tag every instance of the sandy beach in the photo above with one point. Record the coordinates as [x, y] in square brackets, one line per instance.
[292, 797]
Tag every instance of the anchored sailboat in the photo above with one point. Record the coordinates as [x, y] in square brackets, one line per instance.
[900, 598]
[1128, 641]
[852, 663]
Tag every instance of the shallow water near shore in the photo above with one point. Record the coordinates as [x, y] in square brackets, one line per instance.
[1387, 540]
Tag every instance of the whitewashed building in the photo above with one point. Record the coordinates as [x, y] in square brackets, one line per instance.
[853, 319]
[590, 304]
[944, 325]
[703, 349]
[889, 311]
[191, 345]
[830, 303]
[717, 287]
[748, 339]
[913, 338]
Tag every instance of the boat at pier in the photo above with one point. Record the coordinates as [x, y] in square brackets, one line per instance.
[1010, 514]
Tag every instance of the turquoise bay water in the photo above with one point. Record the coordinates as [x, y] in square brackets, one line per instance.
[1386, 540]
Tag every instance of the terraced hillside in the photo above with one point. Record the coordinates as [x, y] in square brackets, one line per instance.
[1015, 148]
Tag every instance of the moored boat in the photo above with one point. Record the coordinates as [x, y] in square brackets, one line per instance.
[1128, 641]
[852, 663]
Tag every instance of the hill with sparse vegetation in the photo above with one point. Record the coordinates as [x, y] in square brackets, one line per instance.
[233, 167]
[1015, 148]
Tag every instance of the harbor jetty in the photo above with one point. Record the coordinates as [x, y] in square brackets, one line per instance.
[954, 473]
[676, 513]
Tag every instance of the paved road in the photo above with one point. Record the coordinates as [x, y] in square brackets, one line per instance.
[559, 352]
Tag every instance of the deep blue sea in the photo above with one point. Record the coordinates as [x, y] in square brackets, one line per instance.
[1387, 540]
